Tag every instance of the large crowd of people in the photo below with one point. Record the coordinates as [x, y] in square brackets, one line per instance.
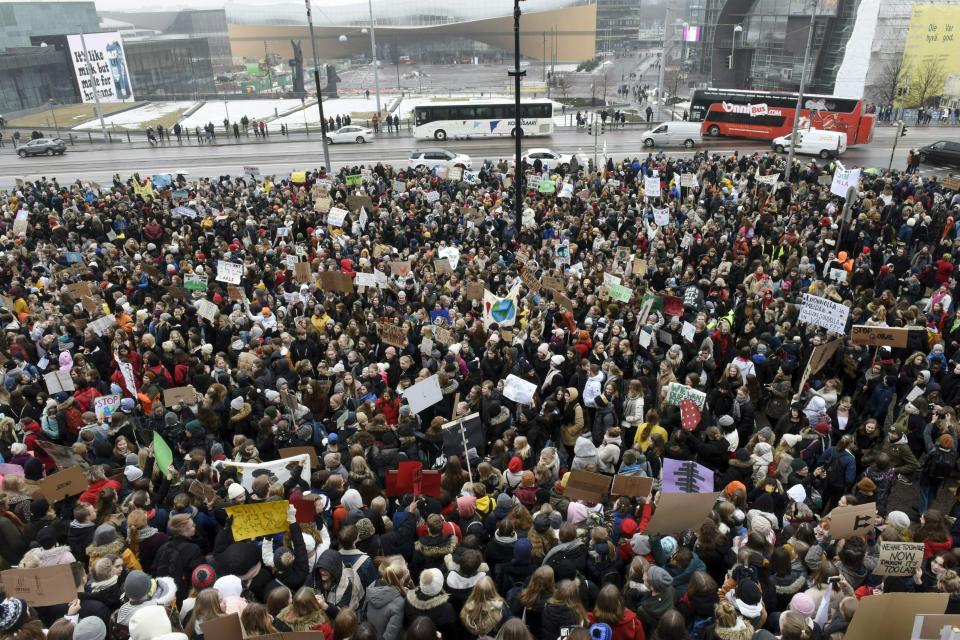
[169, 341]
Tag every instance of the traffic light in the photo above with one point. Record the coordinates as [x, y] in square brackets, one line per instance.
[590, 128]
[730, 61]
[603, 126]
[903, 130]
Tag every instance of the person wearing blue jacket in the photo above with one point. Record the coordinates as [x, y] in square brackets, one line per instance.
[838, 467]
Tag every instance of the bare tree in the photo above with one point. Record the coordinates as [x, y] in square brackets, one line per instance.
[562, 82]
[890, 80]
[926, 81]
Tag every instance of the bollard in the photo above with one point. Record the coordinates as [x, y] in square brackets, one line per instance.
[128, 135]
[109, 137]
[71, 139]
[90, 135]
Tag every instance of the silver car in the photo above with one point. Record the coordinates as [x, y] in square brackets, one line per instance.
[43, 147]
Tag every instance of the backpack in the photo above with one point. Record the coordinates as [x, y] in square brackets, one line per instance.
[348, 579]
[168, 563]
[698, 629]
[835, 473]
[939, 465]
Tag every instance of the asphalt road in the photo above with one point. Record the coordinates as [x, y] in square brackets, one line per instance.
[279, 156]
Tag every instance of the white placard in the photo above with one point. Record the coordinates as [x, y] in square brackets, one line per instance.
[283, 232]
[432, 196]
[661, 217]
[838, 275]
[519, 390]
[229, 272]
[363, 218]
[843, 179]
[207, 309]
[651, 187]
[769, 180]
[824, 313]
[365, 280]
[424, 395]
[336, 216]
[689, 180]
[456, 173]
[58, 381]
[608, 279]
[688, 331]
[644, 338]
[111, 76]
[126, 370]
[452, 254]
[566, 191]
[253, 172]
[102, 326]
[186, 212]
[106, 406]
[277, 468]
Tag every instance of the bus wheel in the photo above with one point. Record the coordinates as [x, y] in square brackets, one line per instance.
[513, 133]
[688, 143]
[824, 154]
[780, 148]
[440, 134]
[714, 130]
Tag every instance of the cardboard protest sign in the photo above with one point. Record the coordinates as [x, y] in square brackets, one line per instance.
[355, 203]
[821, 355]
[102, 326]
[677, 393]
[58, 382]
[223, 628]
[69, 482]
[41, 587]
[393, 335]
[852, 520]
[442, 266]
[400, 268]
[173, 397]
[529, 280]
[80, 290]
[276, 469]
[289, 452]
[258, 519]
[207, 310]
[678, 511]
[553, 283]
[247, 361]
[91, 304]
[933, 627]
[563, 300]
[203, 491]
[892, 615]
[899, 558]
[423, 395]
[824, 313]
[302, 273]
[879, 336]
[633, 486]
[586, 485]
[686, 476]
[336, 281]
[474, 291]
[519, 390]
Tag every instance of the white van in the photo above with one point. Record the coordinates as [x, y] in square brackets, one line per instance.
[814, 142]
[673, 134]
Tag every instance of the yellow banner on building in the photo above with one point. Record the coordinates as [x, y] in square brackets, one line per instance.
[931, 54]
[258, 519]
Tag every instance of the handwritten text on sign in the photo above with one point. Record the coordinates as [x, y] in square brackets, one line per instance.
[899, 558]
[261, 519]
[824, 313]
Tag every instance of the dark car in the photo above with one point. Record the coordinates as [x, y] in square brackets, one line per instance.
[43, 147]
[942, 152]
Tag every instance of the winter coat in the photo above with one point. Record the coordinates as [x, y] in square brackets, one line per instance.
[437, 608]
[585, 453]
[384, 610]
[628, 627]
[556, 617]
[117, 548]
[428, 552]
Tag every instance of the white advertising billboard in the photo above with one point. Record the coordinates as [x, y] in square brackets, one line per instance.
[107, 72]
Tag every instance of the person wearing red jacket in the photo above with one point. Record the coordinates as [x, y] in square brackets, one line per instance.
[610, 610]
[98, 482]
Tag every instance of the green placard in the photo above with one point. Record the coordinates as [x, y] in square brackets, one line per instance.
[547, 186]
[620, 293]
[195, 283]
[353, 181]
[162, 454]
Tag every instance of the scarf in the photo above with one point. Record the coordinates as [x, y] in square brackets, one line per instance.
[142, 534]
[14, 519]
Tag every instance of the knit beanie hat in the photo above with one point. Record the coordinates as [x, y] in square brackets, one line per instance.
[898, 520]
[13, 614]
[803, 604]
[431, 582]
[658, 578]
[90, 628]
[203, 576]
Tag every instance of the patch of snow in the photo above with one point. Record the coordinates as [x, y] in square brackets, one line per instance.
[215, 111]
[136, 118]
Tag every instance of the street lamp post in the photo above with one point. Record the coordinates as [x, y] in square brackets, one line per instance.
[516, 73]
[373, 53]
[803, 84]
[54, 114]
[316, 82]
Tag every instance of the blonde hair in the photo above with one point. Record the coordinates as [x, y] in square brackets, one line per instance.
[483, 610]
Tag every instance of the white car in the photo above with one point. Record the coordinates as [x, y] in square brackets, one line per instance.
[551, 159]
[435, 157]
[350, 133]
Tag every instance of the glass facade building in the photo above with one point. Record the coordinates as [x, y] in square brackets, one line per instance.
[21, 20]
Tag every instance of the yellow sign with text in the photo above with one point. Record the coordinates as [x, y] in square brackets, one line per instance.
[931, 53]
[259, 519]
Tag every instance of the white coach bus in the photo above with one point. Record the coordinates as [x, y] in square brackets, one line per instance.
[481, 118]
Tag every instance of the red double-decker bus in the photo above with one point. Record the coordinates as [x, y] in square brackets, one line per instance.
[765, 115]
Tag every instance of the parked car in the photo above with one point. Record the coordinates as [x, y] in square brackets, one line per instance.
[350, 133]
[673, 134]
[42, 147]
[551, 159]
[942, 152]
[435, 157]
[814, 142]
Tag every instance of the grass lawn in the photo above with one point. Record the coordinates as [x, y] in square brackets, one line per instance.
[68, 115]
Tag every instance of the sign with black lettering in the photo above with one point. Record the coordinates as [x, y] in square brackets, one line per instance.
[899, 558]
[879, 336]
